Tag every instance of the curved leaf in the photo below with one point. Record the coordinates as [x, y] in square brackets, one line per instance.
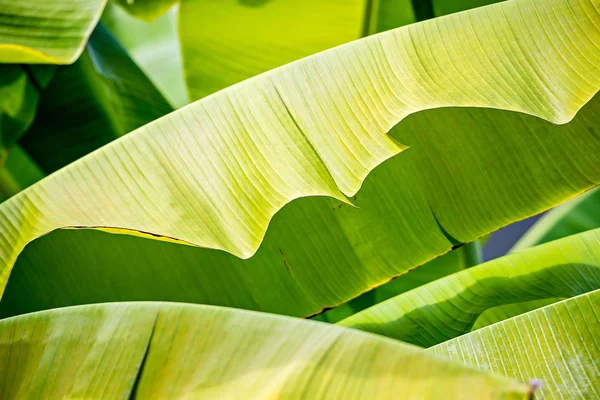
[388, 14]
[154, 47]
[558, 344]
[444, 7]
[18, 172]
[147, 10]
[578, 215]
[100, 351]
[437, 268]
[46, 32]
[450, 306]
[500, 313]
[19, 98]
[99, 98]
[215, 172]
[227, 41]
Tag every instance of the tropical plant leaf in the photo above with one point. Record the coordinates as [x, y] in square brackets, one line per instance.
[500, 313]
[435, 269]
[449, 307]
[102, 351]
[155, 48]
[445, 7]
[228, 41]
[578, 215]
[556, 343]
[18, 103]
[18, 172]
[46, 32]
[388, 14]
[214, 173]
[148, 10]
[99, 98]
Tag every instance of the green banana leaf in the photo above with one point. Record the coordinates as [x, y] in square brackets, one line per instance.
[444, 7]
[99, 98]
[154, 46]
[435, 269]
[46, 32]
[227, 41]
[384, 15]
[18, 172]
[19, 98]
[214, 173]
[449, 307]
[557, 344]
[147, 10]
[161, 350]
[500, 313]
[578, 215]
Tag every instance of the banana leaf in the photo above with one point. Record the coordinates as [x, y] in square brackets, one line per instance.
[450, 306]
[154, 46]
[435, 269]
[99, 98]
[18, 172]
[161, 350]
[46, 32]
[19, 98]
[227, 41]
[578, 215]
[556, 343]
[147, 10]
[214, 173]
[444, 7]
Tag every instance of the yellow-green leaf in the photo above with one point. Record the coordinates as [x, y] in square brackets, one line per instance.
[183, 351]
[224, 42]
[578, 215]
[557, 344]
[155, 48]
[449, 307]
[46, 31]
[214, 173]
[99, 98]
[147, 10]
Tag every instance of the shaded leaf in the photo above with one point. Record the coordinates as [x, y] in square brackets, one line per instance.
[18, 103]
[500, 313]
[435, 269]
[578, 215]
[18, 172]
[154, 46]
[147, 10]
[101, 97]
[449, 307]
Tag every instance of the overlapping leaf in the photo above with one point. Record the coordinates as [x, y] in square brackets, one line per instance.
[155, 48]
[102, 351]
[147, 10]
[578, 215]
[18, 103]
[228, 41]
[18, 172]
[99, 98]
[557, 344]
[435, 269]
[214, 173]
[450, 306]
[46, 32]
